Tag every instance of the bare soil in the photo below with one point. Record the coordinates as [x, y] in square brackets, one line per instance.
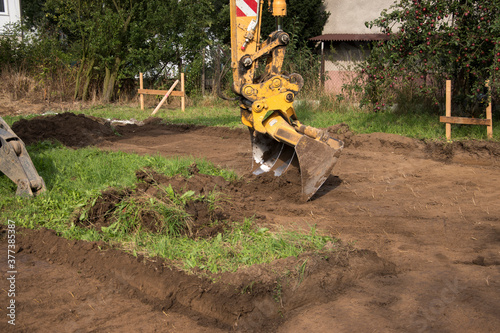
[419, 224]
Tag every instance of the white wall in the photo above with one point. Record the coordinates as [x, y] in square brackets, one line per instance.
[349, 16]
[11, 14]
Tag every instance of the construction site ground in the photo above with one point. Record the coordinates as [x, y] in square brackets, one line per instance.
[420, 220]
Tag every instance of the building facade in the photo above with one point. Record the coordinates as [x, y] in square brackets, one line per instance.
[346, 39]
[10, 12]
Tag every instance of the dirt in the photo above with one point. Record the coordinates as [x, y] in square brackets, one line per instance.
[419, 222]
[69, 129]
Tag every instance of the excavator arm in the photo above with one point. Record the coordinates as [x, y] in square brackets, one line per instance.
[266, 102]
[16, 164]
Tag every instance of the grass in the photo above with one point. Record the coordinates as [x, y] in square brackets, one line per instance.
[75, 179]
[73, 176]
[421, 125]
[243, 245]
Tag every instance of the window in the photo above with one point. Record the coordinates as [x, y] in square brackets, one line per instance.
[2, 6]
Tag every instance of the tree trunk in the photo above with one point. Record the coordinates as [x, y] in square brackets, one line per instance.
[85, 91]
[110, 80]
[78, 78]
[215, 86]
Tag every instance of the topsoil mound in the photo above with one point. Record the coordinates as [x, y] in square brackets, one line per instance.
[236, 200]
[80, 131]
[71, 130]
[253, 299]
[203, 220]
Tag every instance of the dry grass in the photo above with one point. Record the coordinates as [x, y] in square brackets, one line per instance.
[39, 85]
[18, 84]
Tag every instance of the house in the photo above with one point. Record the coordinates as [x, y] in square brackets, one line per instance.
[346, 39]
[10, 12]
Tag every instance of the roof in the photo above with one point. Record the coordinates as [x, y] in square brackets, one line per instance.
[350, 37]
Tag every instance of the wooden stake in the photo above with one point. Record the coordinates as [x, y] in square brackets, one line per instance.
[203, 72]
[183, 98]
[448, 109]
[165, 97]
[141, 86]
[448, 119]
[489, 129]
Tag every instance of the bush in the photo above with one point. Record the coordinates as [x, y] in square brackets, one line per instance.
[429, 42]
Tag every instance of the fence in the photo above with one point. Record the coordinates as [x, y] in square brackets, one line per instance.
[448, 119]
[166, 93]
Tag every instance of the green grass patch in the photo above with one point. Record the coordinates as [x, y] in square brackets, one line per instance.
[243, 245]
[214, 115]
[74, 176]
[75, 179]
[421, 125]
[414, 125]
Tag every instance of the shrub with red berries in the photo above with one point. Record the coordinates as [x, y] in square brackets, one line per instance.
[432, 41]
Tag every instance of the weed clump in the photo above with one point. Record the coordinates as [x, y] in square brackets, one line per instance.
[153, 206]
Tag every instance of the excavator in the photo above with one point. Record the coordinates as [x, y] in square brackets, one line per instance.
[16, 164]
[279, 139]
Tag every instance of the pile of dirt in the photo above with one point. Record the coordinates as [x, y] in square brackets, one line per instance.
[99, 212]
[235, 200]
[468, 152]
[464, 151]
[341, 132]
[71, 130]
[253, 299]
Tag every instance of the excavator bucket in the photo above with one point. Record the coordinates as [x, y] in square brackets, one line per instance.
[270, 155]
[16, 164]
[316, 159]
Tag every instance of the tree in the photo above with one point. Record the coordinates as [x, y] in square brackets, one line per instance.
[32, 12]
[431, 41]
[100, 31]
[118, 38]
[104, 43]
[305, 19]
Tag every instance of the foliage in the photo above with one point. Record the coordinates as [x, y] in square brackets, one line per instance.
[36, 65]
[101, 46]
[431, 41]
[106, 43]
[32, 13]
[305, 18]
[299, 58]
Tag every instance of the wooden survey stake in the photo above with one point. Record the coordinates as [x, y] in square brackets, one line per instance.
[165, 97]
[174, 93]
[448, 119]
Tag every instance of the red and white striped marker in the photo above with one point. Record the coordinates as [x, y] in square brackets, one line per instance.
[246, 8]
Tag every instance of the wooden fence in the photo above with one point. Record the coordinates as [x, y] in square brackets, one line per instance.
[448, 119]
[165, 93]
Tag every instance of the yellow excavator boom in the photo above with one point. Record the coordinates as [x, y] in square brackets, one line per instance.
[266, 102]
